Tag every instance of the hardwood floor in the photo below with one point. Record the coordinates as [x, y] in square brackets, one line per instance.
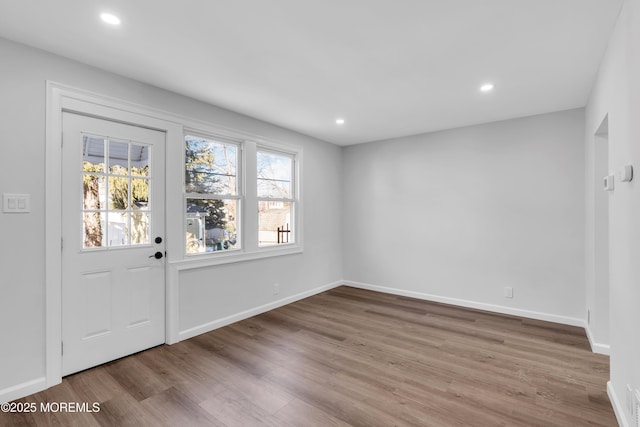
[349, 357]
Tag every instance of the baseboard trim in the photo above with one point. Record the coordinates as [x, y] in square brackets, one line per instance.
[21, 390]
[597, 347]
[210, 326]
[572, 321]
[615, 403]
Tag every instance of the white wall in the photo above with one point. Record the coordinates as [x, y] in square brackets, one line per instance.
[458, 215]
[617, 93]
[206, 294]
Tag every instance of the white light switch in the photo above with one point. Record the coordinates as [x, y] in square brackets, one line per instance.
[16, 203]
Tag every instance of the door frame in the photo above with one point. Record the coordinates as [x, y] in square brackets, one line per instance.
[61, 98]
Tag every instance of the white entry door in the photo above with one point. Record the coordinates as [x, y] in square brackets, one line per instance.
[113, 284]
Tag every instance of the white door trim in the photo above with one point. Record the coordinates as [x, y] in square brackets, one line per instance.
[60, 97]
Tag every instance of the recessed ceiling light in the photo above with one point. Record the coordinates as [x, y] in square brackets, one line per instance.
[339, 121]
[488, 87]
[110, 19]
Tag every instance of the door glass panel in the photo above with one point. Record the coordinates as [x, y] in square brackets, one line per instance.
[118, 157]
[93, 154]
[118, 229]
[93, 231]
[116, 207]
[94, 191]
[140, 194]
[118, 193]
[140, 228]
[139, 160]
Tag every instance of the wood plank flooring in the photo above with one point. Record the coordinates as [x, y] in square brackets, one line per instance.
[349, 357]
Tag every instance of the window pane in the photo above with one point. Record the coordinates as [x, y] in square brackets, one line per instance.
[118, 157]
[139, 194]
[94, 230]
[210, 166]
[274, 223]
[139, 160]
[93, 192]
[118, 193]
[211, 225]
[274, 189]
[118, 232]
[274, 175]
[140, 228]
[93, 154]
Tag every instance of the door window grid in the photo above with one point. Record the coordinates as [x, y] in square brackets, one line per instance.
[117, 183]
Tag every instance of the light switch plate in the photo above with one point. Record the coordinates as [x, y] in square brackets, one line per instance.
[16, 203]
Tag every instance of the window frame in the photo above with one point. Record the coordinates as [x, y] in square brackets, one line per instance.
[293, 199]
[238, 197]
[247, 218]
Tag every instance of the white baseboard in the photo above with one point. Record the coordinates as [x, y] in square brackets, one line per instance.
[22, 390]
[617, 408]
[215, 324]
[597, 347]
[572, 321]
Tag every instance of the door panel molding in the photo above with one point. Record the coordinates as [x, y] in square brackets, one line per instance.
[61, 98]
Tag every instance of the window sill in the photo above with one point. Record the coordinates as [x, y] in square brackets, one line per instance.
[208, 260]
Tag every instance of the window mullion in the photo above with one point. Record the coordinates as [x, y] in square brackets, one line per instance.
[250, 213]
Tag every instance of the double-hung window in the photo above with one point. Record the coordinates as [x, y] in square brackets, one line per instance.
[213, 194]
[241, 198]
[276, 189]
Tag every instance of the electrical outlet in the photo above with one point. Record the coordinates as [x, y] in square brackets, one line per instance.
[508, 292]
[276, 288]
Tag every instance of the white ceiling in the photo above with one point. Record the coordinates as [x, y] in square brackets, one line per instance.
[389, 68]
